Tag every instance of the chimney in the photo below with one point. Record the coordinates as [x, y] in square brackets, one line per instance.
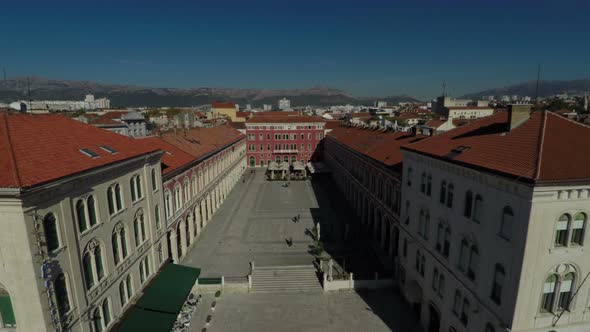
[518, 114]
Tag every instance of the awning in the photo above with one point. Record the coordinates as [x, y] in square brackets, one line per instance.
[162, 300]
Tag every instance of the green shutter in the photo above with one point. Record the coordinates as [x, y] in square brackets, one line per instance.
[6, 311]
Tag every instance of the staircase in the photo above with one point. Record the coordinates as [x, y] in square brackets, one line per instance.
[285, 279]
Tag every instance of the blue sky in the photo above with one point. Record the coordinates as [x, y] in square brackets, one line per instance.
[368, 48]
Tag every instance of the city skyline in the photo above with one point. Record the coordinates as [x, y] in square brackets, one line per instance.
[368, 49]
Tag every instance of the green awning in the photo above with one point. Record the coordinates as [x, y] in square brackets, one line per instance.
[169, 291]
[6, 311]
[162, 300]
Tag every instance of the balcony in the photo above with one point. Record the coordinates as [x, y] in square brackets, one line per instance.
[295, 151]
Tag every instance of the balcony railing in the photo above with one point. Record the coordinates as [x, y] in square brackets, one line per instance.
[286, 151]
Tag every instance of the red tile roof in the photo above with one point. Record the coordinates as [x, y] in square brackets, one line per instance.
[278, 113]
[545, 148]
[108, 118]
[198, 142]
[284, 119]
[434, 123]
[331, 124]
[381, 146]
[241, 114]
[361, 115]
[36, 149]
[468, 107]
[172, 158]
[408, 116]
[223, 104]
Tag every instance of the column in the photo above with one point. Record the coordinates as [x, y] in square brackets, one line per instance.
[181, 227]
[209, 208]
[174, 246]
[191, 228]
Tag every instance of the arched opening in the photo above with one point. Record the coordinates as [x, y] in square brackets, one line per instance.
[433, 319]
[179, 240]
[169, 244]
[252, 161]
[7, 317]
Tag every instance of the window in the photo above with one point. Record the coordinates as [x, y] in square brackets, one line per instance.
[157, 216]
[440, 234]
[435, 280]
[144, 269]
[468, 204]
[108, 149]
[167, 204]
[92, 264]
[119, 243]
[125, 290]
[450, 190]
[139, 227]
[441, 285]
[423, 183]
[506, 223]
[102, 316]
[443, 193]
[429, 185]
[86, 213]
[135, 185]
[565, 292]
[409, 177]
[154, 180]
[473, 262]
[478, 208]
[447, 242]
[561, 231]
[549, 293]
[186, 191]
[50, 230]
[424, 224]
[61, 294]
[497, 284]
[463, 255]
[177, 198]
[465, 312]
[114, 200]
[578, 228]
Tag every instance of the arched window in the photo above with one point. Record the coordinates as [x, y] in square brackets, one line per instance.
[125, 290]
[465, 312]
[81, 215]
[61, 294]
[440, 234]
[154, 180]
[185, 191]
[138, 186]
[115, 245]
[478, 208]
[50, 230]
[139, 227]
[578, 229]
[443, 192]
[441, 285]
[498, 284]
[457, 302]
[98, 322]
[549, 288]
[561, 231]
[118, 198]
[167, 204]
[463, 255]
[194, 185]
[111, 200]
[157, 216]
[92, 264]
[177, 198]
[447, 242]
[409, 177]
[506, 223]
[565, 291]
[450, 190]
[429, 185]
[132, 187]
[91, 210]
[423, 183]
[468, 204]
[473, 262]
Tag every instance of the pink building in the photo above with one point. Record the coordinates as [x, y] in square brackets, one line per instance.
[283, 136]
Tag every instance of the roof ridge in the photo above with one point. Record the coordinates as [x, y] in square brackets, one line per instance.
[568, 119]
[11, 156]
[540, 146]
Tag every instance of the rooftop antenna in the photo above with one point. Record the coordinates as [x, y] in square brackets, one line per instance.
[444, 86]
[538, 82]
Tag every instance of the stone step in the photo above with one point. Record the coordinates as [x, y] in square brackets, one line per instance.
[285, 279]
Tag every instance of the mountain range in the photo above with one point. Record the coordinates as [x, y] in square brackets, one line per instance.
[546, 89]
[14, 89]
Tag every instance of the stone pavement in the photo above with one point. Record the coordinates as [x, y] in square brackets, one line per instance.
[335, 311]
[253, 224]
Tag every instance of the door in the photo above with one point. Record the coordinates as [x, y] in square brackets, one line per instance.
[252, 162]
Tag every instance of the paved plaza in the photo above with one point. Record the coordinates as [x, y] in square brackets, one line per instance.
[254, 224]
[336, 311]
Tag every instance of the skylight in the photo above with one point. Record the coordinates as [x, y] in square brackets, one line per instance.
[89, 153]
[108, 149]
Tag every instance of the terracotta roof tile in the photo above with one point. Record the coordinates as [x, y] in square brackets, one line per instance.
[381, 146]
[435, 123]
[198, 142]
[546, 147]
[284, 119]
[108, 118]
[223, 104]
[172, 157]
[36, 149]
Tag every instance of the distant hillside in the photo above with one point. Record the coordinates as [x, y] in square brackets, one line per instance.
[546, 89]
[129, 95]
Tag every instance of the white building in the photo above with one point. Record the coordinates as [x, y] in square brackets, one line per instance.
[494, 224]
[284, 104]
[38, 106]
